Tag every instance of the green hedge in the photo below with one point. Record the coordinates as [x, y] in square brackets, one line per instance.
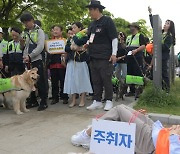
[155, 97]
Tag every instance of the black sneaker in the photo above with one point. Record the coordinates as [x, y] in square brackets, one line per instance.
[41, 108]
[29, 106]
[50, 98]
[65, 101]
[54, 101]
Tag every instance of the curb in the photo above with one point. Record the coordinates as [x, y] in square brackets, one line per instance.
[164, 118]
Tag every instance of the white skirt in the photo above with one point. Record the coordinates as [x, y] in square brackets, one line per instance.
[77, 79]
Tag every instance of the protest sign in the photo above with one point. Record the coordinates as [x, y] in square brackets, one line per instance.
[112, 137]
[56, 46]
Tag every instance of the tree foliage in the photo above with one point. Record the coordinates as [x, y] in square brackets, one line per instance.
[145, 30]
[62, 12]
[48, 11]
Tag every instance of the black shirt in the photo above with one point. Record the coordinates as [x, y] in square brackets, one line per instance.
[121, 52]
[105, 31]
[72, 55]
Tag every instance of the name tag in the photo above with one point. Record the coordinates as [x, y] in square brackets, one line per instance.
[91, 38]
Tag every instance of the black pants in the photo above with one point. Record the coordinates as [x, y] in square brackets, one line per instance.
[16, 69]
[101, 72]
[165, 75]
[134, 68]
[90, 77]
[58, 74]
[41, 83]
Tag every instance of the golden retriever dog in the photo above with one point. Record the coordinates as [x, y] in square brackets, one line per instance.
[25, 84]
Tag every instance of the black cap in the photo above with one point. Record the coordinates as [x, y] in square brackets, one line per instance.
[134, 24]
[95, 4]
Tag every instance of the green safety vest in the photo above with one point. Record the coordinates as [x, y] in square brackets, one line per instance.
[33, 35]
[6, 85]
[4, 45]
[164, 36]
[14, 49]
[133, 42]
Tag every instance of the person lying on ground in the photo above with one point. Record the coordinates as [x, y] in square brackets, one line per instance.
[149, 134]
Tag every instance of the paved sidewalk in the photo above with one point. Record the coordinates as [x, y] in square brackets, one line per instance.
[46, 132]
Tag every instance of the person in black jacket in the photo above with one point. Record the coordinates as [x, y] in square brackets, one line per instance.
[77, 79]
[168, 39]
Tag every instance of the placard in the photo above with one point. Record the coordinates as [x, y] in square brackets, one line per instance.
[112, 137]
[56, 46]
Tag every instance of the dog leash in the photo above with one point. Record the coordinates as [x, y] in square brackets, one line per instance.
[136, 62]
[28, 66]
[139, 66]
[2, 73]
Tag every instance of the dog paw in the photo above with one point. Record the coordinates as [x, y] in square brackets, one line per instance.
[19, 113]
[26, 110]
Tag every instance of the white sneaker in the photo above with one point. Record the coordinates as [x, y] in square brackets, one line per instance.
[108, 106]
[81, 139]
[95, 105]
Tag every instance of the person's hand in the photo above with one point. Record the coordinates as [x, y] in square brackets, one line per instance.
[150, 10]
[26, 59]
[1, 64]
[134, 52]
[175, 129]
[149, 68]
[85, 46]
[113, 59]
[6, 69]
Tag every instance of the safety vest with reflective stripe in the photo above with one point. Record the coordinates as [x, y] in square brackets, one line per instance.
[133, 42]
[33, 36]
[14, 47]
[15, 53]
[4, 45]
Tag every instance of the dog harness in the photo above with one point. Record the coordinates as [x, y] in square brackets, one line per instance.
[6, 85]
[137, 80]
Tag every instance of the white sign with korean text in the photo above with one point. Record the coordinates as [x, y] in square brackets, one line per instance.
[112, 137]
[56, 46]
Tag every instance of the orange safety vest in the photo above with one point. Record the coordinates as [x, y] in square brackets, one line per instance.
[162, 145]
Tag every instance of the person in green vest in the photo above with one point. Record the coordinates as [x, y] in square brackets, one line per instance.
[15, 54]
[3, 46]
[135, 44]
[168, 40]
[34, 46]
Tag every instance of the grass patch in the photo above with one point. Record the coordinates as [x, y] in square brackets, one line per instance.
[157, 101]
